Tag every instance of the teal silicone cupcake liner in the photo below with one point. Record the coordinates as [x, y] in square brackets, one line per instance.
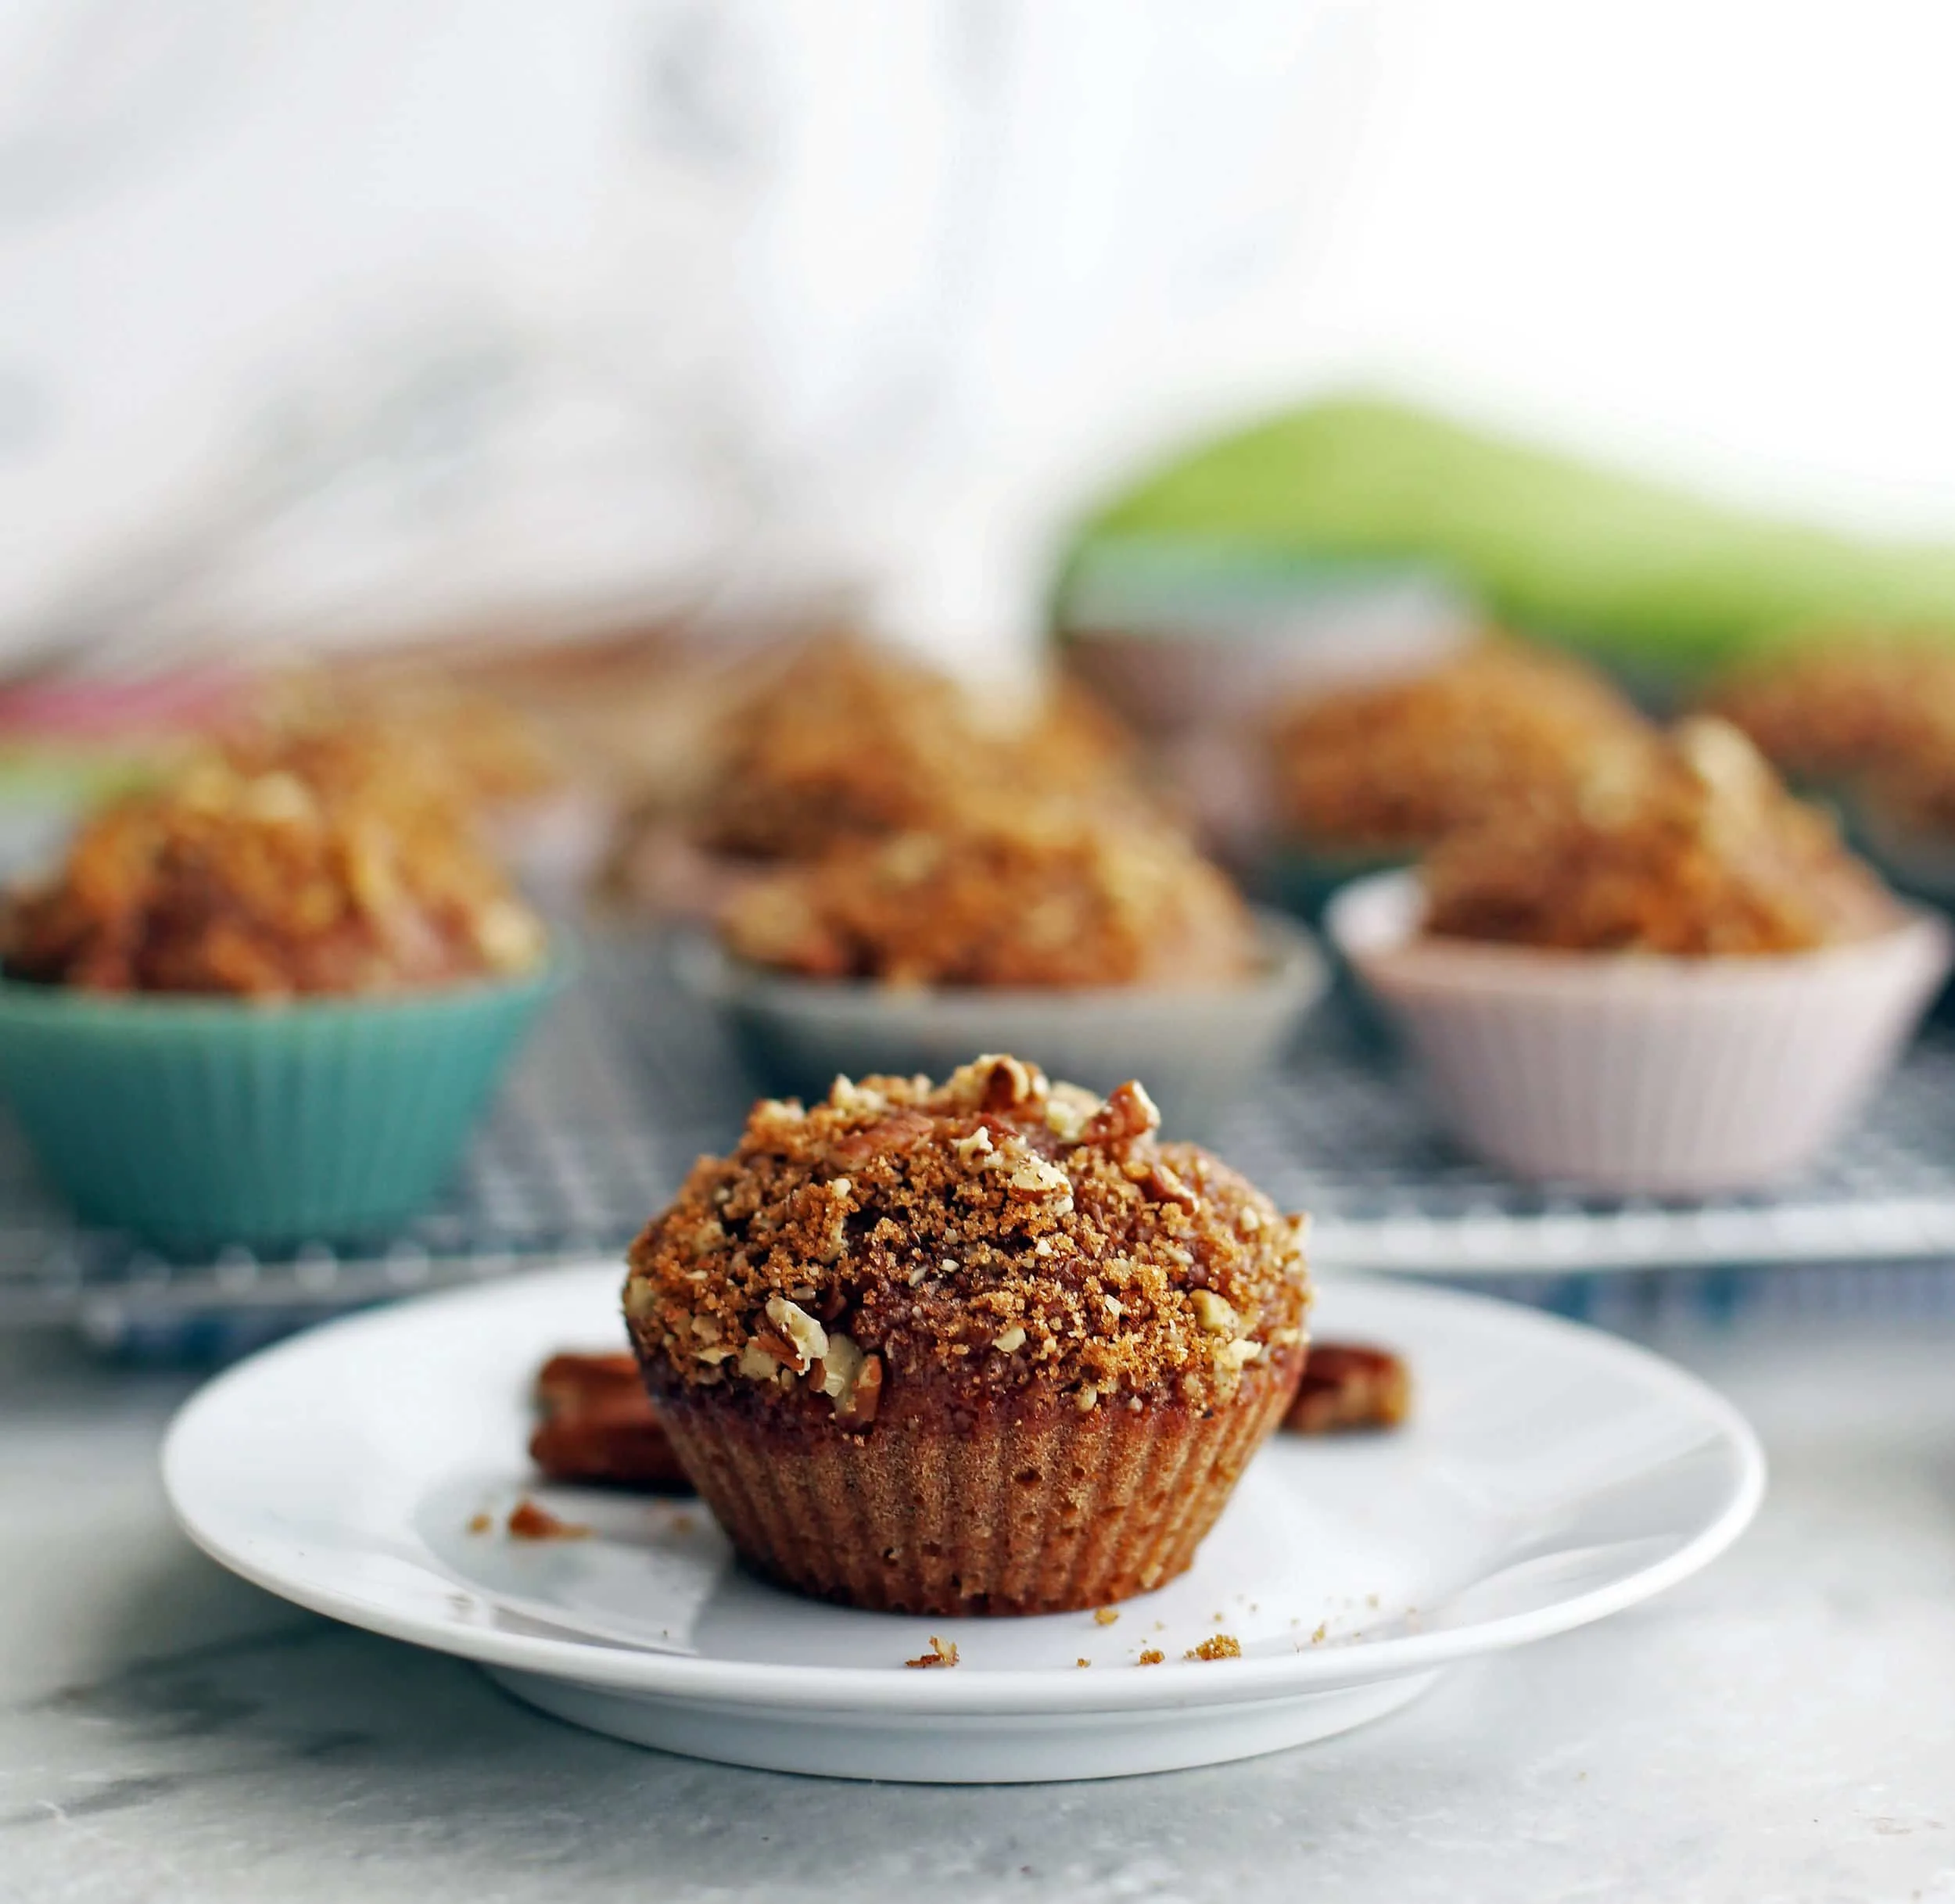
[197, 1123]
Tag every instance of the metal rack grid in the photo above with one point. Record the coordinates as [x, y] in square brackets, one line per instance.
[629, 1081]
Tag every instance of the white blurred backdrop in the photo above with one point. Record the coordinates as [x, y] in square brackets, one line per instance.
[347, 318]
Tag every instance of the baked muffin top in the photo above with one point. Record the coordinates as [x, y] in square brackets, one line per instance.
[1832, 711]
[847, 743]
[1040, 896]
[1913, 786]
[475, 750]
[328, 873]
[996, 1236]
[1389, 767]
[850, 742]
[1694, 848]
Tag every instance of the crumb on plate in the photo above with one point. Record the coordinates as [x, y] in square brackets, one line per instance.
[528, 1521]
[1222, 1646]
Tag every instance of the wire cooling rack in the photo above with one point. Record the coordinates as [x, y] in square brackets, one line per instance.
[629, 1081]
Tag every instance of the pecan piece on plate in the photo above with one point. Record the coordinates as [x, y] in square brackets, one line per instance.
[597, 1425]
[1349, 1385]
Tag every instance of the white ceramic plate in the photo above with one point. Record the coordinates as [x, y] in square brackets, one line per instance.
[1552, 1476]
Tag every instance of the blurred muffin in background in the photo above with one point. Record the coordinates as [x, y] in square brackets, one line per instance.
[1098, 945]
[1827, 713]
[265, 1006]
[848, 743]
[1374, 773]
[844, 742]
[1691, 847]
[334, 867]
[445, 739]
[1032, 895]
[474, 747]
[1870, 722]
[1675, 980]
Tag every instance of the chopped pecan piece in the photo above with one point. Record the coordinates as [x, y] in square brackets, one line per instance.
[1164, 1187]
[1128, 1114]
[857, 1408]
[779, 1349]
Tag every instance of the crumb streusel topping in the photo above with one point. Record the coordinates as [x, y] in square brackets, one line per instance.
[1831, 711]
[1699, 851]
[1391, 767]
[995, 1236]
[321, 873]
[1032, 897]
[852, 742]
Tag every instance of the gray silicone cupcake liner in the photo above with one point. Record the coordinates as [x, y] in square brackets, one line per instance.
[1197, 1051]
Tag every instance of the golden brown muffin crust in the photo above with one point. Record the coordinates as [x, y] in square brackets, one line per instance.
[1035, 898]
[1699, 851]
[850, 742]
[1832, 711]
[314, 876]
[994, 1238]
[1391, 767]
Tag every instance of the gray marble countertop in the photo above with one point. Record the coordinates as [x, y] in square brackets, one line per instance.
[1781, 1728]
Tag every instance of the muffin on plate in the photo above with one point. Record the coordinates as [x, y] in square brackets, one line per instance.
[1374, 773]
[987, 1346]
[1675, 981]
[1097, 946]
[263, 1004]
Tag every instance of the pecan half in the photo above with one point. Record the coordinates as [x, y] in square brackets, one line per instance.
[597, 1425]
[1350, 1386]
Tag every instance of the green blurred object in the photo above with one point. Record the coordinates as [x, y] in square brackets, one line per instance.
[1650, 579]
[196, 1123]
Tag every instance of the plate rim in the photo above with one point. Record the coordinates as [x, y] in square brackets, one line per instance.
[867, 1690]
